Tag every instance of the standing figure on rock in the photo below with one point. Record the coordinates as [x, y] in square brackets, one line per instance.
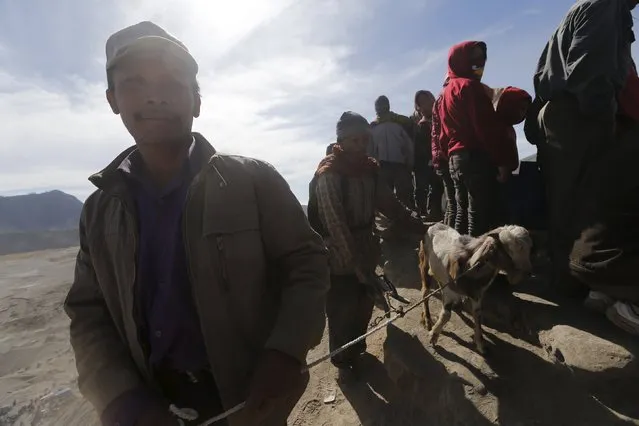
[579, 85]
[199, 283]
[428, 185]
[392, 146]
[346, 191]
[476, 143]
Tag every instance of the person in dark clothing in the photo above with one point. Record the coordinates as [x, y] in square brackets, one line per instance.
[428, 185]
[349, 190]
[476, 143]
[606, 253]
[199, 283]
[439, 150]
[580, 77]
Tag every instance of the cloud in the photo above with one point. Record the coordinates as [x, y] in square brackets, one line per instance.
[261, 65]
[59, 135]
[275, 77]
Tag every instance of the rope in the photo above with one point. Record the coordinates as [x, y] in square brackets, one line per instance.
[399, 313]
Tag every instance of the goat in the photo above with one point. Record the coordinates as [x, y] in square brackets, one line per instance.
[468, 266]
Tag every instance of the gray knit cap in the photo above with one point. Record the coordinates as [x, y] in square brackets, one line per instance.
[350, 124]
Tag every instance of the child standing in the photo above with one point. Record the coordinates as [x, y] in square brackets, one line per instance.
[476, 143]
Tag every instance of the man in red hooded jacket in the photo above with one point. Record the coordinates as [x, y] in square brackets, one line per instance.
[476, 144]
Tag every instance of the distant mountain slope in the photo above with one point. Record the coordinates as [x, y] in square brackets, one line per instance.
[54, 210]
[38, 222]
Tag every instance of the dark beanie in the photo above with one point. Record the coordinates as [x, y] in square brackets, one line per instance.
[351, 123]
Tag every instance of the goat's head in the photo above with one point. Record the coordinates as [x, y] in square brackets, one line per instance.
[507, 249]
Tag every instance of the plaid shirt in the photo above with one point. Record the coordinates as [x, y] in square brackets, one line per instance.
[351, 241]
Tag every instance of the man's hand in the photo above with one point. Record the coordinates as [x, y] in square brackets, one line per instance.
[276, 377]
[504, 175]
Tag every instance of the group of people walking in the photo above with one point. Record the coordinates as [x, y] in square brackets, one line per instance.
[200, 283]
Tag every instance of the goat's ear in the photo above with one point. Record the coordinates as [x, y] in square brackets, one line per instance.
[454, 267]
[485, 251]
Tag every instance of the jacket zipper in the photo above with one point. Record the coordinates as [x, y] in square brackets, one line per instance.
[219, 239]
[140, 328]
[187, 247]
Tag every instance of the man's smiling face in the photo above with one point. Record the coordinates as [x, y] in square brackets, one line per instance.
[156, 96]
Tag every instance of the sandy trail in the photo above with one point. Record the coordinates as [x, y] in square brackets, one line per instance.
[550, 375]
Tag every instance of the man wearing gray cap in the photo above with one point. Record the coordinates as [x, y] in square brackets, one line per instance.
[199, 283]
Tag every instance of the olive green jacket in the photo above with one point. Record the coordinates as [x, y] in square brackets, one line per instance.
[259, 276]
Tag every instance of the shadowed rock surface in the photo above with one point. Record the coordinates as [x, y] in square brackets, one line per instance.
[547, 365]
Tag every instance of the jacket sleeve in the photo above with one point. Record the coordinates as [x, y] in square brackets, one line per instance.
[388, 204]
[106, 372]
[301, 257]
[594, 71]
[486, 125]
[439, 146]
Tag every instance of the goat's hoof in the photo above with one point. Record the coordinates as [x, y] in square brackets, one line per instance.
[483, 350]
[432, 338]
[428, 325]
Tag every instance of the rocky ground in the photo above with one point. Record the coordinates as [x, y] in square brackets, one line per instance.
[547, 365]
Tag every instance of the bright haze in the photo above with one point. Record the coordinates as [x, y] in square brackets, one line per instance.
[275, 74]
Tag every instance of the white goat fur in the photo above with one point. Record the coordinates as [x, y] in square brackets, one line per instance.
[445, 255]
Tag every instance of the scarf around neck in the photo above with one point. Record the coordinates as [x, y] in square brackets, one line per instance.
[347, 163]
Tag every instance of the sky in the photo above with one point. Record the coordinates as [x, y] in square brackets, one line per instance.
[275, 74]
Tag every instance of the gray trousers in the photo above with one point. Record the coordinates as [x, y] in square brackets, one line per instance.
[399, 179]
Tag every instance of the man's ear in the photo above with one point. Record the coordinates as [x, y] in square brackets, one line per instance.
[197, 106]
[110, 95]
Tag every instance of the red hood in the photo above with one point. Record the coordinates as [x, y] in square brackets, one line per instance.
[460, 59]
[512, 105]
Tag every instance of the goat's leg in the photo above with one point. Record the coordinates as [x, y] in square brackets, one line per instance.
[427, 320]
[479, 337]
[444, 317]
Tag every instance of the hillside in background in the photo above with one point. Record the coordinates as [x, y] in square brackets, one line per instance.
[38, 221]
[54, 210]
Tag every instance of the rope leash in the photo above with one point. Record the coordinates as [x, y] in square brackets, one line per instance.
[399, 313]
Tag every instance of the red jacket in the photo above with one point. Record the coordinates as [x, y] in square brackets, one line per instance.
[628, 99]
[438, 140]
[466, 112]
[511, 110]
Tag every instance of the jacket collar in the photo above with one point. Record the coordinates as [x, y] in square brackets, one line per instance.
[110, 179]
